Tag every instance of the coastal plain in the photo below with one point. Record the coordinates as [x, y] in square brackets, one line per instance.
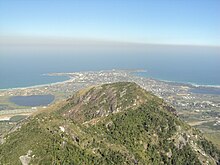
[199, 106]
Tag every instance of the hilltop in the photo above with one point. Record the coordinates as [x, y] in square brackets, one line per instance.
[118, 123]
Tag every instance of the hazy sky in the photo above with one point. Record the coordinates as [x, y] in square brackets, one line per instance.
[191, 22]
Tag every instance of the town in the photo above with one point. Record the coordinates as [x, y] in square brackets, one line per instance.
[200, 110]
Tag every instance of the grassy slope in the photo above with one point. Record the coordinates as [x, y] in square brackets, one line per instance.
[214, 137]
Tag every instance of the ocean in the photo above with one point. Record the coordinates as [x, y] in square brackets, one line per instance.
[197, 66]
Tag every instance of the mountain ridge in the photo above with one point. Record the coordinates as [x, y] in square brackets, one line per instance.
[118, 123]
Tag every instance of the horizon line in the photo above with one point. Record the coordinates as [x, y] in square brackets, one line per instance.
[60, 40]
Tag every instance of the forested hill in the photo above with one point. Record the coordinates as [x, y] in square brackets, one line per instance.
[117, 123]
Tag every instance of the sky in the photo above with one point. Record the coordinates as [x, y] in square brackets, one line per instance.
[184, 22]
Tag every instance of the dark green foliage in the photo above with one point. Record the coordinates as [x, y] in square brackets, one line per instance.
[17, 118]
[144, 131]
[184, 156]
[210, 149]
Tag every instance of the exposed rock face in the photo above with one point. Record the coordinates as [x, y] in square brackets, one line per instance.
[171, 109]
[25, 159]
[2, 140]
[105, 100]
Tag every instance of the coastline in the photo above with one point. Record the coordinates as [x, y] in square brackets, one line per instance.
[37, 86]
[195, 85]
[189, 83]
[133, 72]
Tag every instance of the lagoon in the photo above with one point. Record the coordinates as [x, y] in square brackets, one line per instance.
[33, 100]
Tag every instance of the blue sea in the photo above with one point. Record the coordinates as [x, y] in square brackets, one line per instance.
[191, 65]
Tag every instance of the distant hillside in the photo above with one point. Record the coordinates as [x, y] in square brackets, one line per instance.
[117, 123]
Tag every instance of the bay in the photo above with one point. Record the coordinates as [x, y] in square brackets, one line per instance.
[198, 66]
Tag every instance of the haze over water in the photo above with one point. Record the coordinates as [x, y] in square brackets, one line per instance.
[198, 65]
[39, 37]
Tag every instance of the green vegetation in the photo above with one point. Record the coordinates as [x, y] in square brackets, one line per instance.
[6, 104]
[147, 133]
[116, 123]
[5, 126]
[17, 118]
[214, 137]
[209, 125]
